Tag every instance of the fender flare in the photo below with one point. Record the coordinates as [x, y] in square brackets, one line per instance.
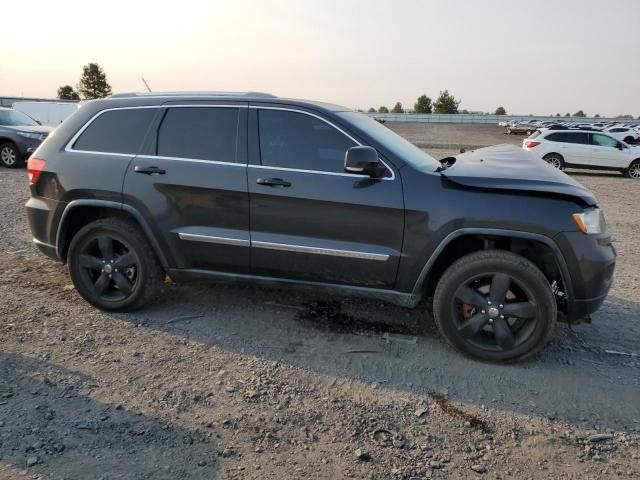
[495, 232]
[115, 206]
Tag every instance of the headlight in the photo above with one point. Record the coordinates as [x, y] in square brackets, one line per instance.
[590, 220]
[35, 136]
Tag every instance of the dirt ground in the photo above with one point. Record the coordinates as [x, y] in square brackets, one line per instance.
[237, 382]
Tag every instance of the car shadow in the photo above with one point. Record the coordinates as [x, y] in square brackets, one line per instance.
[575, 379]
[50, 428]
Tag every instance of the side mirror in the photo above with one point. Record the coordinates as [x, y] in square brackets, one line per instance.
[363, 160]
[619, 146]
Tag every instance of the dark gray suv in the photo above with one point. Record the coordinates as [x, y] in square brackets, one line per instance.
[254, 187]
[20, 135]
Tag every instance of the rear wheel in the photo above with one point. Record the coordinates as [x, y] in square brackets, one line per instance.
[495, 305]
[113, 266]
[555, 160]
[10, 156]
[634, 170]
[629, 140]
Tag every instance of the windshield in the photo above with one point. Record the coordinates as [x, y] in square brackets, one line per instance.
[391, 141]
[15, 118]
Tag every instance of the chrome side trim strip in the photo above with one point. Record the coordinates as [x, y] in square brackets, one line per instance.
[259, 107]
[320, 251]
[45, 244]
[68, 148]
[193, 160]
[209, 239]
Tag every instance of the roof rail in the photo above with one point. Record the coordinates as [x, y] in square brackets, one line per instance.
[193, 94]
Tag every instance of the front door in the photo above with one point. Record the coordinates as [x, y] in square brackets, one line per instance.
[310, 220]
[191, 186]
[606, 152]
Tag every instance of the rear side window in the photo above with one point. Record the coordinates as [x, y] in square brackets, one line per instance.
[116, 131]
[297, 140]
[580, 137]
[203, 133]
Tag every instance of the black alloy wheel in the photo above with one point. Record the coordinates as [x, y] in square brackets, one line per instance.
[495, 305]
[112, 265]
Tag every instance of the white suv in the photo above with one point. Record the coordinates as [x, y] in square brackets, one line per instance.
[584, 149]
[626, 134]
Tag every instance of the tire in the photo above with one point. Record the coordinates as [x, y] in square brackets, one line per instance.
[470, 325]
[10, 155]
[629, 140]
[555, 160]
[634, 170]
[529, 132]
[509, 131]
[112, 265]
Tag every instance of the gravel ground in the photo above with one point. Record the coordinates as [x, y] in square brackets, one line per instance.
[219, 381]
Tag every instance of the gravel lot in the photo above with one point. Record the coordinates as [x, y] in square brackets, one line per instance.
[219, 381]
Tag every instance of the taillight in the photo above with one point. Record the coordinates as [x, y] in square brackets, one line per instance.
[34, 168]
[531, 143]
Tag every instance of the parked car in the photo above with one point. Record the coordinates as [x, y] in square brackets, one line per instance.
[626, 134]
[584, 149]
[520, 128]
[285, 192]
[20, 135]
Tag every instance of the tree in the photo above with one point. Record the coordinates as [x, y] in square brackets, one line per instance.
[93, 83]
[579, 113]
[422, 105]
[597, 115]
[66, 92]
[397, 108]
[567, 114]
[557, 114]
[500, 111]
[383, 109]
[446, 103]
[372, 110]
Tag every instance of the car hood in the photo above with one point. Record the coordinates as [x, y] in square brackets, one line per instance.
[28, 128]
[507, 167]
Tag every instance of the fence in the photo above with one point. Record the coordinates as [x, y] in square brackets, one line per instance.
[477, 118]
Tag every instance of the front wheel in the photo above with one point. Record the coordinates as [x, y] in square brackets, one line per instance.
[634, 170]
[495, 305]
[113, 266]
[629, 140]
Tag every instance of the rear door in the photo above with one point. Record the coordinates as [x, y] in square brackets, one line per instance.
[190, 184]
[576, 148]
[310, 219]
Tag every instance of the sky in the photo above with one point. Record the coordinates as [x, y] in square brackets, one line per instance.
[540, 57]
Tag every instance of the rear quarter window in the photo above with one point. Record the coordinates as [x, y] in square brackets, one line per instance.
[116, 131]
[557, 137]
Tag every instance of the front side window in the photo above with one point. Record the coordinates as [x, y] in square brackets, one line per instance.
[300, 141]
[116, 131]
[202, 133]
[603, 140]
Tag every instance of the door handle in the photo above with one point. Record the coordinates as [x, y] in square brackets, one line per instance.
[273, 182]
[149, 170]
